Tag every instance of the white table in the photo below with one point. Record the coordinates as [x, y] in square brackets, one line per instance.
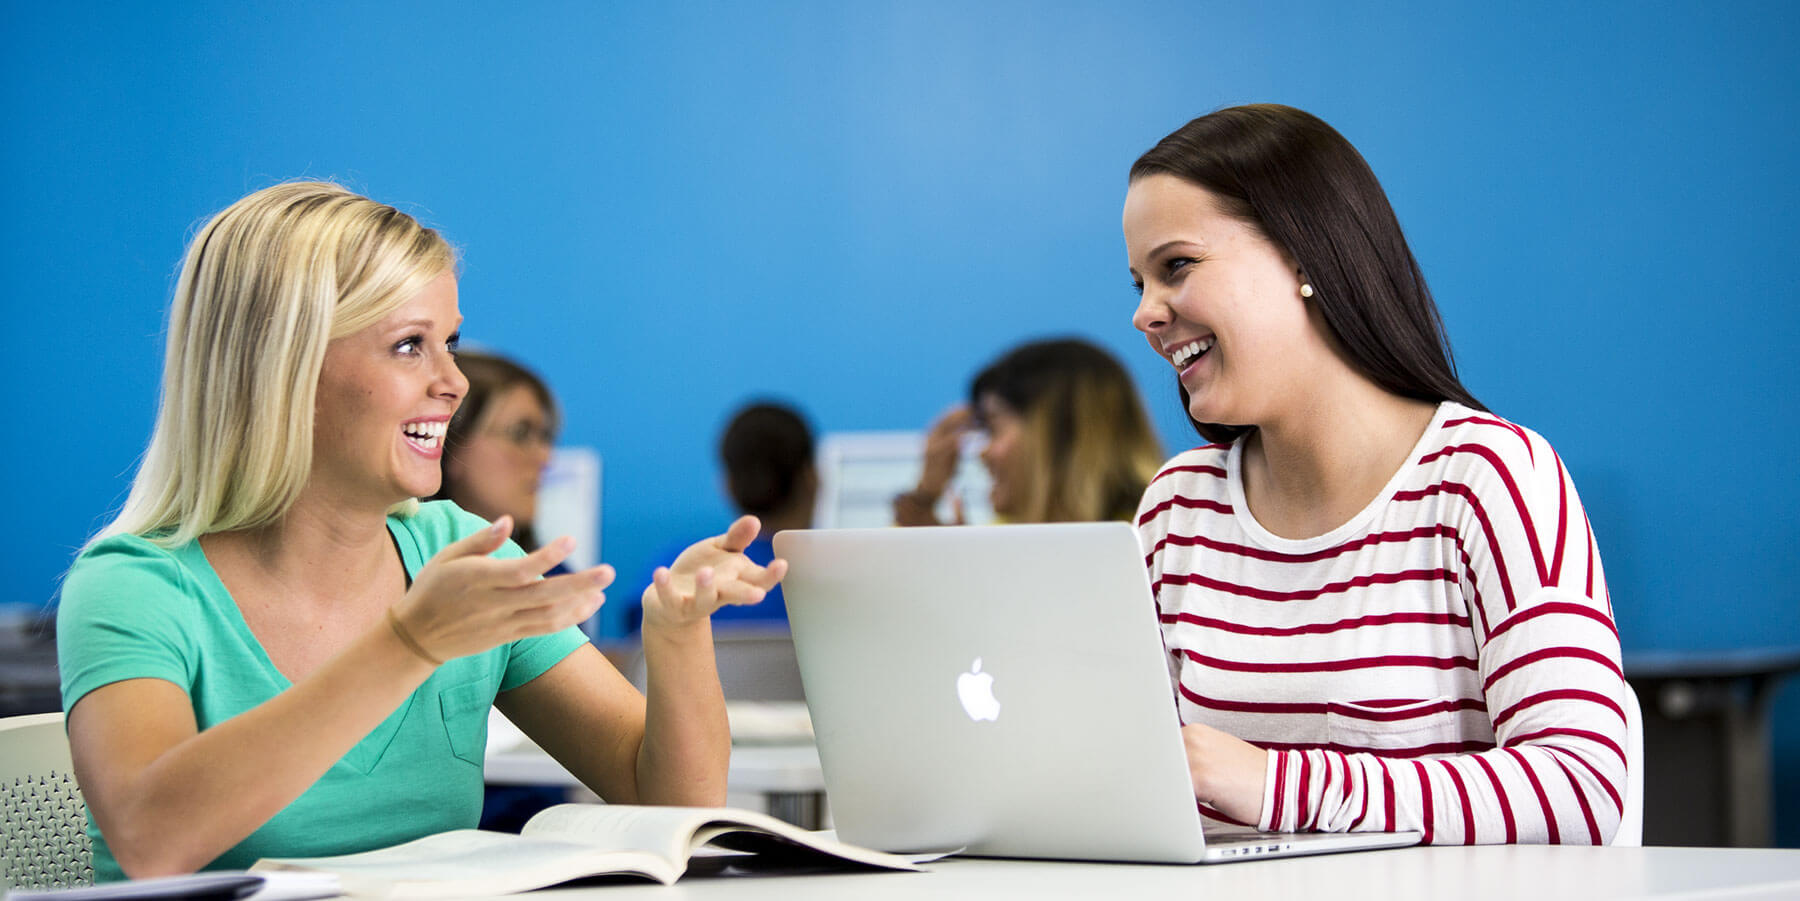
[1488, 873]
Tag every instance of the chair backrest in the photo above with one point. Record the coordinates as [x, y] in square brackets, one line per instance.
[44, 830]
[1631, 821]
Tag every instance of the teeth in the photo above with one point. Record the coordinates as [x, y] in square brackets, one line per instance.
[425, 434]
[1189, 351]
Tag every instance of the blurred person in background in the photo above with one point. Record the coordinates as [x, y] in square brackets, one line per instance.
[767, 451]
[499, 442]
[1067, 439]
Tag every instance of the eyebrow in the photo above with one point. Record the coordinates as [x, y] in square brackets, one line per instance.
[1158, 249]
[425, 322]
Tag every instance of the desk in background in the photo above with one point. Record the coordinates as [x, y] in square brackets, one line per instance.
[1708, 769]
[786, 777]
[773, 759]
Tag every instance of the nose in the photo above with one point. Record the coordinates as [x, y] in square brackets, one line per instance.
[1152, 313]
[451, 384]
[992, 453]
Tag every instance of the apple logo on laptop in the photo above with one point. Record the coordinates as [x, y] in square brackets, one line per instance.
[976, 691]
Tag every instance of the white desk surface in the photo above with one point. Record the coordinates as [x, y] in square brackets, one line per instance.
[1536, 873]
[761, 769]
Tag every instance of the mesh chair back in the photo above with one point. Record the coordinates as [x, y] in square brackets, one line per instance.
[43, 820]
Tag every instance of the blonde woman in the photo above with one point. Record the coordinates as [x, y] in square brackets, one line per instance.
[1068, 439]
[274, 650]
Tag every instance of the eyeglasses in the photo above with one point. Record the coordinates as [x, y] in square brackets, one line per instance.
[526, 434]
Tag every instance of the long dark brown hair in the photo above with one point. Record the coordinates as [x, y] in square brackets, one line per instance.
[1306, 189]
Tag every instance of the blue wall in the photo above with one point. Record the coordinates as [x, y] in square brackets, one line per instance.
[669, 206]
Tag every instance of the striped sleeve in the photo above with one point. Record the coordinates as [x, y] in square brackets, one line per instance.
[1549, 668]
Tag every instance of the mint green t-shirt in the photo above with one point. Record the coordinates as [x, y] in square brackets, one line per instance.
[131, 609]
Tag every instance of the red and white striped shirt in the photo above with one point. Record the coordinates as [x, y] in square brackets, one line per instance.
[1446, 661]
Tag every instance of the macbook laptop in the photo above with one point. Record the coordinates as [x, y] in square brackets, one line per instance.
[1002, 690]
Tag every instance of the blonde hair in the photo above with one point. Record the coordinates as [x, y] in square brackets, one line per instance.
[265, 286]
[1090, 446]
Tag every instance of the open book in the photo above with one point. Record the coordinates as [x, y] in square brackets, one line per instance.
[574, 841]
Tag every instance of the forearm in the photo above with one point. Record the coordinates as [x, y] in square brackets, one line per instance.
[686, 749]
[1525, 794]
[197, 798]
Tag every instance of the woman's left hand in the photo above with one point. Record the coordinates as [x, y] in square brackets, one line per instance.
[1227, 772]
[708, 575]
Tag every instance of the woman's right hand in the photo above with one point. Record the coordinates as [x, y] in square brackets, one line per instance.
[465, 602]
[943, 451]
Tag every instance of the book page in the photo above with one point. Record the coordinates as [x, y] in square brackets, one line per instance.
[664, 831]
[471, 861]
[680, 830]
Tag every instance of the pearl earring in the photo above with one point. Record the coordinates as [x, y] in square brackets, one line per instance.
[1305, 289]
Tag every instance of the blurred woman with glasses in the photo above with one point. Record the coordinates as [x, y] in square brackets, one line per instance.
[499, 442]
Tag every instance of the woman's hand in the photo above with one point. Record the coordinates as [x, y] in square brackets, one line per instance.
[465, 602]
[1227, 772]
[943, 451]
[708, 575]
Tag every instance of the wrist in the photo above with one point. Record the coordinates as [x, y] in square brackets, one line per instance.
[400, 659]
[678, 635]
[1239, 784]
[406, 639]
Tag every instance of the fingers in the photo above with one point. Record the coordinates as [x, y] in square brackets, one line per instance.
[750, 587]
[764, 577]
[706, 591]
[943, 449]
[956, 504]
[544, 559]
[662, 584]
[953, 421]
[910, 510]
[480, 543]
[552, 589]
[773, 574]
[604, 574]
[739, 536]
[560, 601]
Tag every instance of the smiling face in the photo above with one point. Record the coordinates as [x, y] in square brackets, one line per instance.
[498, 469]
[1005, 455]
[1221, 303]
[385, 397]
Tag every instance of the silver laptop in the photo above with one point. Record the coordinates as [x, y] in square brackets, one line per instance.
[1002, 690]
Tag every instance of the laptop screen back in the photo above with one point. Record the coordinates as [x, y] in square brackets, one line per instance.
[997, 688]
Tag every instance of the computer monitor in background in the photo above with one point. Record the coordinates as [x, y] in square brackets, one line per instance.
[569, 502]
[860, 472]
